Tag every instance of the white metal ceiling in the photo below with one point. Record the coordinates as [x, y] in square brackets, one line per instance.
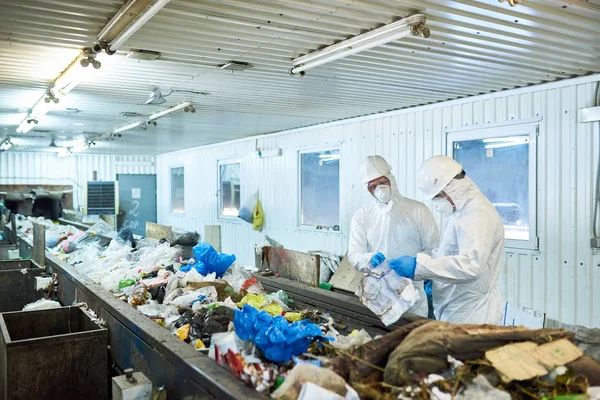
[475, 47]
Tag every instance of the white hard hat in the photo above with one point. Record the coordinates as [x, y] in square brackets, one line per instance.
[373, 167]
[436, 173]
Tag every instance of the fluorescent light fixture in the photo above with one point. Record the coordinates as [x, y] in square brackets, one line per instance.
[80, 147]
[78, 71]
[127, 127]
[415, 25]
[136, 25]
[6, 144]
[185, 106]
[64, 152]
[26, 125]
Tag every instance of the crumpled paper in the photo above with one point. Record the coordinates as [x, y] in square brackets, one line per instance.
[387, 294]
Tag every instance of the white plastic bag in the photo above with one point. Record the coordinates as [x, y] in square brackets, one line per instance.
[42, 304]
[246, 212]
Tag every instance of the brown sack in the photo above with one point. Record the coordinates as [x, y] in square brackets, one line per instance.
[426, 349]
[376, 352]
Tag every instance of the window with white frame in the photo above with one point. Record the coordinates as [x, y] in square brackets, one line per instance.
[502, 161]
[229, 188]
[320, 189]
[177, 190]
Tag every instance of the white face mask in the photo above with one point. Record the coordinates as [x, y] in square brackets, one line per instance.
[383, 193]
[441, 205]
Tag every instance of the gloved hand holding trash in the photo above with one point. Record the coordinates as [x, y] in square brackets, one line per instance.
[404, 266]
[377, 260]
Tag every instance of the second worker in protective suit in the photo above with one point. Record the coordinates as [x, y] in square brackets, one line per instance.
[391, 226]
[466, 266]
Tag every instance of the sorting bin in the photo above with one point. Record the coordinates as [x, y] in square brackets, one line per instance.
[18, 284]
[52, 354]
[5, 247]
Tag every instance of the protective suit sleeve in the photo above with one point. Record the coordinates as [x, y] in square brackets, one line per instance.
[430, 235]
[358, 253]
[475, 243]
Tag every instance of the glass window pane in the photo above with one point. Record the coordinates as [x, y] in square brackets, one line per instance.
[229, 178]
[320, 189]
[177, 190]
[500, 167]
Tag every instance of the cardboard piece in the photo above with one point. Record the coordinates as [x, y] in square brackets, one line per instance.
[156, 231]
[526, 360]
[346, 277]
[212, 236]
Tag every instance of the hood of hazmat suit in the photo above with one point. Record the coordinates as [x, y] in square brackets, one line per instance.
[466, 267]
[402, 227]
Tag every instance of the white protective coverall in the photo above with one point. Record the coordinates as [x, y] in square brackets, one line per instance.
[467, 264]
[399, 228]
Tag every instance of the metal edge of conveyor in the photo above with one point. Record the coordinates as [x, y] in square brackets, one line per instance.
[139, 343]
[346, 307]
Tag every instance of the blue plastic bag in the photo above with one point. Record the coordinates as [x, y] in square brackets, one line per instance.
[208, 260]
[275, 336]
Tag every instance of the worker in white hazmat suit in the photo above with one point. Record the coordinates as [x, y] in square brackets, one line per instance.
[391, 226]
[466, 266]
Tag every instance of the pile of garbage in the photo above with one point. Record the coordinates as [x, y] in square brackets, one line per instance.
[208, 300]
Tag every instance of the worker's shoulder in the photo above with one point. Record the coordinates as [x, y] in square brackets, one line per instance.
[416, 205]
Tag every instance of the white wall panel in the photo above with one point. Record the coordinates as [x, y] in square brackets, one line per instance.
[563, 279]
[75, 170]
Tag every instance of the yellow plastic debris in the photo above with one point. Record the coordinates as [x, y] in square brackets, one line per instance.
[198, 344]
[354, 333]
[273, 308]
[293, 316]
[254, 300]
[184, 332]
[260, 302]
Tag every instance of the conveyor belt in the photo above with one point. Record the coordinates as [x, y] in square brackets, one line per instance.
[139, 343]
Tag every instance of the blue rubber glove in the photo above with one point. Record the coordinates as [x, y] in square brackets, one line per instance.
[404, 266]
[428, 287]
[377, 260]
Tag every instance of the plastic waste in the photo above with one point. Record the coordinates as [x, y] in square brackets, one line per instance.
[307, 373]
[188, 239]
[209, 260]
[236, 276]
[208, 293]
[252, 285]
[275, 336]
[480, 388]
[158, 310]
[126, 282]
[125, 237]
[354, 339]
[258, 216]
[387, 294]
[246, 212]
[42, 304]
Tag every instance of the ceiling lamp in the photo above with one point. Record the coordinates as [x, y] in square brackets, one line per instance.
[74, 74]
[125, 34]
[185, 106]
[5, 145]
[127, 127]
[415, 25]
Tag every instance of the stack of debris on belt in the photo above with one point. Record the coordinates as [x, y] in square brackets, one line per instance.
[215, 305]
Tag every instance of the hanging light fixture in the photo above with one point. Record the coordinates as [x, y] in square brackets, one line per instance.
[413, 25]
[6, 144]
[185, 106]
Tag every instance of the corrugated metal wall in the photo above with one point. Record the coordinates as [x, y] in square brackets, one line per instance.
[563, 279]
[76, 170]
